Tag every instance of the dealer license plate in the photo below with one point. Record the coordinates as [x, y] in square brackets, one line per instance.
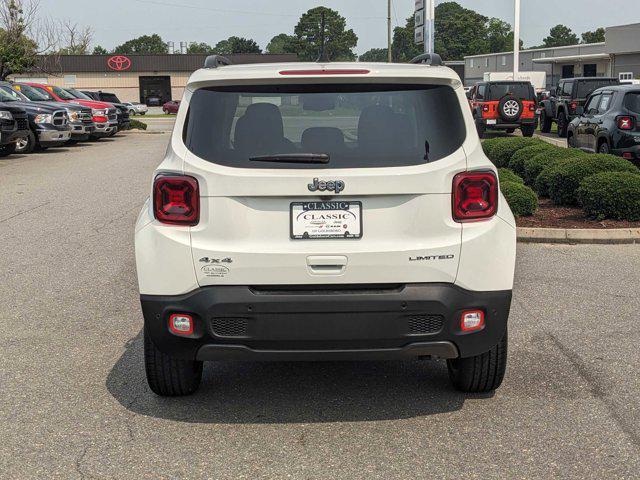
[325, 220]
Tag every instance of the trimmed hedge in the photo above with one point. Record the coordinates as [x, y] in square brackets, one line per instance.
[614, 195]
[489, 144]
[506, 175]
[501, 153]
[566, 178]
[549, 162]
[521, 156]
[522, 200]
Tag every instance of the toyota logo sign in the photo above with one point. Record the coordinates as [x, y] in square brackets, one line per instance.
[119, 63]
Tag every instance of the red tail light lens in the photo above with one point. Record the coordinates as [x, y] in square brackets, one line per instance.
[176, 200]
[475, 196]
[485, 108]
[532, 107]
[625, 123]
[573, 106]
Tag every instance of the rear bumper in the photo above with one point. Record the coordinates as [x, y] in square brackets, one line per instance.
[502, 125]
[360, 322]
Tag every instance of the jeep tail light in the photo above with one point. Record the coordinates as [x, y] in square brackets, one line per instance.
[176, 200]
[532, 107]
[625, 123]
[485, 108]
[475, 196]
[181, 324]
[573, 106]
[472, 321]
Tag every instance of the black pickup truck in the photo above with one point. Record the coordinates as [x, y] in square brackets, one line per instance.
[14, 126]
[570, 94]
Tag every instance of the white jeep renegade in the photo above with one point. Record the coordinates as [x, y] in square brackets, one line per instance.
[325, 212]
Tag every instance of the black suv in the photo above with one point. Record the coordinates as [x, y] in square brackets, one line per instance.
[14, 126]
[504, 106]
[609, 123]
[563, 103]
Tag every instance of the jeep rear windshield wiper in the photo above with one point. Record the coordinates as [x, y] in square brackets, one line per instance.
[293, 158]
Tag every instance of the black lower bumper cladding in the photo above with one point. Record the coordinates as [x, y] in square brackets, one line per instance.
[362, 322]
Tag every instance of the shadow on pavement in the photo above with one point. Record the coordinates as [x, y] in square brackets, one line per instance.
[241, 393]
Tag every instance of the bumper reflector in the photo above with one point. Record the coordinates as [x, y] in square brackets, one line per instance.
[181, 324]
[472, 321]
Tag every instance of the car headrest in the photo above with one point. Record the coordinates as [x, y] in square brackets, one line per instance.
[322, 140]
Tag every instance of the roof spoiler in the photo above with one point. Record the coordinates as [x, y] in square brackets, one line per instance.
[431, 59]
[215, 61]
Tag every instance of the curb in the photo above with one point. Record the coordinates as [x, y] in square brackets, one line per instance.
[146, 132]
[620, 236]
[558, 142]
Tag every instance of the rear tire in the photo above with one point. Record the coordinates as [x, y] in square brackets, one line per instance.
[528, 131]
[545, 123]
[563, 125]
[604, 148]
[482, 373]
[168, 376]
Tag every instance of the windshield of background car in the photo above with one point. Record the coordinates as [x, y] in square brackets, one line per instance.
[35, 94]
[586, 88]
[62, 93]
[358, 126]
[522, 91]
[9, 95]
[78, 94]
[632, 102]
[110, 97]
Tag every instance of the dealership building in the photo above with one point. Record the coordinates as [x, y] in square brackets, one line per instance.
[133, 78]
[618, 56]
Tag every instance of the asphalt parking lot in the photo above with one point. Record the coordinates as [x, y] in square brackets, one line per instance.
[74, 402]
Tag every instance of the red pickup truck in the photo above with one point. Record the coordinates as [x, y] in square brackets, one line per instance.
[104, 114]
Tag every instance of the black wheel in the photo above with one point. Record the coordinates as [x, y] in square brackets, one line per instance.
[6, 150]
[143, 113]
[481, 129]
[511, 130]
[528, 131]
[604, 147]
[563, 125]
[168, 376]
[545, 123]
[571, 140]
[26, 144]
[482, 373]
[132, 112]
[166, 112]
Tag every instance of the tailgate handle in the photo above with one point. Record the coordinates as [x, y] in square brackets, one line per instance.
[327, 265]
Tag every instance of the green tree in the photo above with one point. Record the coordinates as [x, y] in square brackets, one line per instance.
[236, 45]
[459, 32]
[146, 44]
[199, 48]
[282, 43]
[17, 51]
[596, 36]
[100, 50]
[560, 36]
[404, 47]
[375, 55]
[339, 42]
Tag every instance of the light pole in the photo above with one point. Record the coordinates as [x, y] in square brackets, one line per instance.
[389, 34]
[516, 41]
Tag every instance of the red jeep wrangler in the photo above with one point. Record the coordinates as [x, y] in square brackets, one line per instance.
[504, 106]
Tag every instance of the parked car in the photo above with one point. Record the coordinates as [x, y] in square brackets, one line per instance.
[154, 101]
[609, 122]
[80, 117]
[563, 103]
[504, 105]
[305, 242]
[136, 108]
[122, 112]
[171, 107]
[48, 123]
[105, 115]
[14, 126]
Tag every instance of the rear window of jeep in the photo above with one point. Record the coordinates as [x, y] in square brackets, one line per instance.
[522, 91]
[356, 126]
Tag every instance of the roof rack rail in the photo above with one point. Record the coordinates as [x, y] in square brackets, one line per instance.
[432, 59]
[215, 61]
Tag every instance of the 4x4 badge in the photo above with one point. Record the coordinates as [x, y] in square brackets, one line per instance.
[336, 186]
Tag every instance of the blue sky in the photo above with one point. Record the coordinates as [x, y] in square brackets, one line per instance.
[116, 21]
